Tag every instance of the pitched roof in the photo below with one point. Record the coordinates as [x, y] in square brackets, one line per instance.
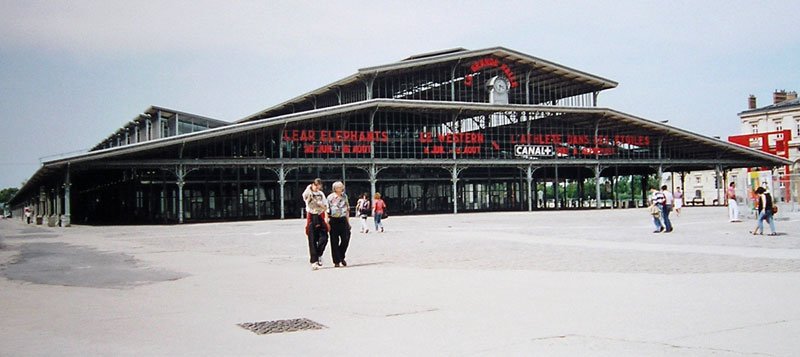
[439, 57]
[786, 104]
[614, 119]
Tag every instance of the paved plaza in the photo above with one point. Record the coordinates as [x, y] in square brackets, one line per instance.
[569, 283]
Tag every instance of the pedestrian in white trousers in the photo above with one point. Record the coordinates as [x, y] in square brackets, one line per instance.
[733, 207]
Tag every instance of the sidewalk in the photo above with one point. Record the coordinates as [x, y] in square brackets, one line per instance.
[543, 283]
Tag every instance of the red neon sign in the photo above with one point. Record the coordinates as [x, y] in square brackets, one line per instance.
[490, 62]
[432, 144]
[335, 136]
[585, 140]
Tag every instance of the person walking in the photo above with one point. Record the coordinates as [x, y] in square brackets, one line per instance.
[317, 227]
[666, 208]
[339, 218]
[733, 206]
[657, 199]
[378, 209]
[765, 206]
[678, 201]
[363, 208]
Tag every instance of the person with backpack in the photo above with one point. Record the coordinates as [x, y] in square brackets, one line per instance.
[766, 210]
[363, 208]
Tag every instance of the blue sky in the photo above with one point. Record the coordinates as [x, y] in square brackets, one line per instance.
[72, 72]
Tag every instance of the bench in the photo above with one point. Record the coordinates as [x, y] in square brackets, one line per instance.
[696, 201]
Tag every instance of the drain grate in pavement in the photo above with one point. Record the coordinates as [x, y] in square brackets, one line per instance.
[280, 326]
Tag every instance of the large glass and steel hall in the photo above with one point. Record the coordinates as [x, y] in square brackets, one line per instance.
[444, 132]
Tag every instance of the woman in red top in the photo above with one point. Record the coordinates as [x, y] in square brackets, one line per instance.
[378, 208]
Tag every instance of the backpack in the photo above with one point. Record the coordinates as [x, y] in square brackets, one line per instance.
[769, 204]
[364, 206]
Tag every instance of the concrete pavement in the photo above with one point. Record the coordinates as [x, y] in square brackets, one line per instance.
[546, 283]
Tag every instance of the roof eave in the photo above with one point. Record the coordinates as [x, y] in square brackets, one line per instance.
[154, 108]
[344, 81]
[769, 109]
[606, 83]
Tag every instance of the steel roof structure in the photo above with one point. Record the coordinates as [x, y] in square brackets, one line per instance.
[549, 71]
[400, 116]
[715, 150]
[150, 114]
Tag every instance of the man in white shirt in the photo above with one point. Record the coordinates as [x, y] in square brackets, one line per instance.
[657, 200]
[668, 201]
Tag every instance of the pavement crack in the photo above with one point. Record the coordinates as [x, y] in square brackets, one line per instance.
[714, 332]
[654, 343]
[411, 312]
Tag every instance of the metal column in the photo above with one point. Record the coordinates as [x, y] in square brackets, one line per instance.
[66, 222]
[57, 197]
[372, 142]
[555, 190]
[373, 179]
[257, 193]
[40, 208]
[597, 186]
[529, 177]
[454, 179]
[717, 182]
[180, 175]
[281, 183]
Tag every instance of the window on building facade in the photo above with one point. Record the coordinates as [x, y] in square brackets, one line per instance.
[797, 127]
[699, 180]
[164, 129]
[778, 125]
[754, 128]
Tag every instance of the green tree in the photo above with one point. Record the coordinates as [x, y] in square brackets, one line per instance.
[7, 193]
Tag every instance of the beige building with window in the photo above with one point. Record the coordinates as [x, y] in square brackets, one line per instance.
[773, 122]
[782, 114]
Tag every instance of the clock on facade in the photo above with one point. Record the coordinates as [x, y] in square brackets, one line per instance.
[499, 84]
[498, 89]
